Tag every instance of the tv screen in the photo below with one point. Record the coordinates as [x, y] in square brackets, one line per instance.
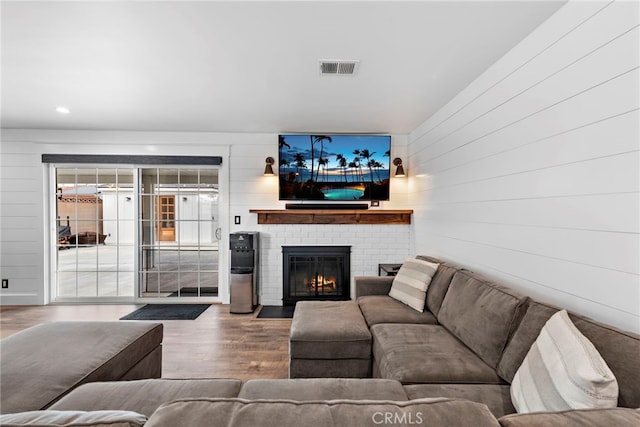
[334, 167]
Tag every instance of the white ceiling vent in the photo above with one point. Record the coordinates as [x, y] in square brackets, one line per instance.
[330, 67]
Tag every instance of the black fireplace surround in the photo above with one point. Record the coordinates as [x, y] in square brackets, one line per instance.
[315, 273]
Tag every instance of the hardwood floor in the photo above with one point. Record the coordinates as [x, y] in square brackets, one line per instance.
[215, 345]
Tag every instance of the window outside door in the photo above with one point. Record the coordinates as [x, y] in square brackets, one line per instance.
[166, 214]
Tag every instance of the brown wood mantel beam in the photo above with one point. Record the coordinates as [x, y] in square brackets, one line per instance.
[331, 216]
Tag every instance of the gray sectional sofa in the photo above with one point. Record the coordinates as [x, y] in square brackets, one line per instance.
[472, 337]
[449, 365]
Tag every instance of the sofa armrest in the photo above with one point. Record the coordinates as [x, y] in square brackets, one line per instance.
[372, 285]
[574, 418]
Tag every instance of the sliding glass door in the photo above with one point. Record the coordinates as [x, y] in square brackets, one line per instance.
[95, 222]
[179, 232]
[135, 232]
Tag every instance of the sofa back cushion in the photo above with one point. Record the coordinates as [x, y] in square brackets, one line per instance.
[285, 413]
[523, 338]
[439, 284]
[481, 314]
[620, 349]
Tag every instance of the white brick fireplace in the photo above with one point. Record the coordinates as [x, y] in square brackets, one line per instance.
[370, 245]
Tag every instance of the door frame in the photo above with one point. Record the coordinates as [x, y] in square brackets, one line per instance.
[224, 218]
[50, 241]
[223, 242]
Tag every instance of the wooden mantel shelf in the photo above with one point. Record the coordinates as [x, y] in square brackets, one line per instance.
[333, 216]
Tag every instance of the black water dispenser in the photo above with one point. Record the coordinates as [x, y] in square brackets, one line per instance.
[243, 283]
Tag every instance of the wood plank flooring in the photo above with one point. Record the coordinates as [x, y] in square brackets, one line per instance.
[215, 345]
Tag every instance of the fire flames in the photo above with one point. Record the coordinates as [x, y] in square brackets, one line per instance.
[320, 284]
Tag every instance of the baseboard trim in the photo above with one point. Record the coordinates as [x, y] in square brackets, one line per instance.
[20, 299]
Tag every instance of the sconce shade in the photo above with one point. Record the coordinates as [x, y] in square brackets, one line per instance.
[268, 170]
[399, 170]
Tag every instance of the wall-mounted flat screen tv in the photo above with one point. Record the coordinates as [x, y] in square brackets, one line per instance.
[334, 167]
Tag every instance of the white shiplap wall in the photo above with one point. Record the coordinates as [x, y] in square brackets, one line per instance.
[21, 223]
[23, 185]
[531, 174]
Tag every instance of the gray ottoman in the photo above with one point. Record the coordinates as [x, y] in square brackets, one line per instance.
[41, 364]
[329, 339]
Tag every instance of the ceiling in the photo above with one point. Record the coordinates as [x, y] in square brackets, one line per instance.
[240, 66]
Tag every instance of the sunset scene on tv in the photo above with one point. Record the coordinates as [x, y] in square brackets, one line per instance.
[334, 167]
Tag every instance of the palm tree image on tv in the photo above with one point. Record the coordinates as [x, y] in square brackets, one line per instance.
[334, 167]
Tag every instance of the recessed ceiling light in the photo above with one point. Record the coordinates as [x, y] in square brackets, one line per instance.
[63, 110]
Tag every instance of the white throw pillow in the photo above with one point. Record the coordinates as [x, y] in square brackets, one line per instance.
[563, 370]
[412, 281]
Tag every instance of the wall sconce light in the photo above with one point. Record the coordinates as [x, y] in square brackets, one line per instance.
[268, 170]
[184, 199]
[128, 199]
[399, 170]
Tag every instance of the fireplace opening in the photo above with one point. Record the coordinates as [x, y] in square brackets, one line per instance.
[315, 273]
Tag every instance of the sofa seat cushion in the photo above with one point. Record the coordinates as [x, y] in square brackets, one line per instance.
[329, 330]
[414, 354]
[495, 396]
[143, 396]
[618, 417]
[384, 309]
[323, 389]
[285, 413]
[73, 419]
[41, 364]
[482, 314]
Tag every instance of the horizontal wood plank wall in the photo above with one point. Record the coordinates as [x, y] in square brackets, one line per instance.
[531, 174]
[21, 223]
